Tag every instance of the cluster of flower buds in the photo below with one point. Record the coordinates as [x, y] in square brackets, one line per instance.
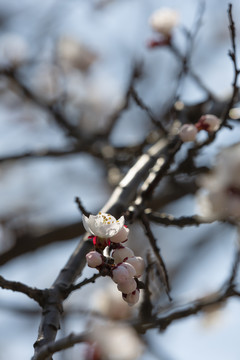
[163, 22]
[208, 122]
[123, 267]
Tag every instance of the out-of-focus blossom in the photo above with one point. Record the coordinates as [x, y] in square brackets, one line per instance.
[94, 259]
[208, 122]
[219, 196]
[108, 302]
[116, 341]
[13, 50]
[73, 54]
[188, 132]
[46, 82]
[164, 20]
[103, 225]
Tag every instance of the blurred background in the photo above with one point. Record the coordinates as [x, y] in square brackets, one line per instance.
[77, 57]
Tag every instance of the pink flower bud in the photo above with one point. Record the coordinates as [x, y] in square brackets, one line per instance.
[120, 274]
[120, 236]
[130, 268]
[209, 122]
[128, 286]
[131, 298]
[188, 132]
[94, 259]
[119, 255]
[138, 263]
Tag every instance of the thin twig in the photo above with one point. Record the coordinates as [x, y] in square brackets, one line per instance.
[157, 253]
[147, 109]
[169, 220]
[84, 282]
[81, 207]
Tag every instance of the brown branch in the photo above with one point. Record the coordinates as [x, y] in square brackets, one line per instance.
[117, 204]
[39, 154]
[52, 110]
[32, 293]
[81, 207]
[147, 109]
[169, 220]
[146, 306]
[84, 282]
[61, 344]
[226, 291]
[157, 253]
[135, 74]
[27, 242]
[181, 312]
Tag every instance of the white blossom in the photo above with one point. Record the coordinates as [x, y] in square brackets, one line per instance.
[13, 49]
[209, 122]
[164, 20]
[116, 341]
[121, 236]
[73, 54]
[103, 225]
[219, 195]
[188, 132]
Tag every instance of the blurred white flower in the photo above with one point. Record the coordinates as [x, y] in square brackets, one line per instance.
[108, 302]
[13, 50]
[103, 225]
[46, 82]
[188, 132]
[209, 123]
[164, 20]
[73, 54]
[116, 341]
[219, 196]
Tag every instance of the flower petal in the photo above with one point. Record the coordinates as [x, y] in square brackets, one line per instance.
[85, 221]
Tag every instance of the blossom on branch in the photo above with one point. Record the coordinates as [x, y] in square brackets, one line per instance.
[164, 20]
[122, 266]
[208, 122]
[219, 196]
[188, 132]
[94, 259]
[103, 225]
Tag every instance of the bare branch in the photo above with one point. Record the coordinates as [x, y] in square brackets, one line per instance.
[169, 220]
[61, 344]
[157, 253]
[32, 293]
